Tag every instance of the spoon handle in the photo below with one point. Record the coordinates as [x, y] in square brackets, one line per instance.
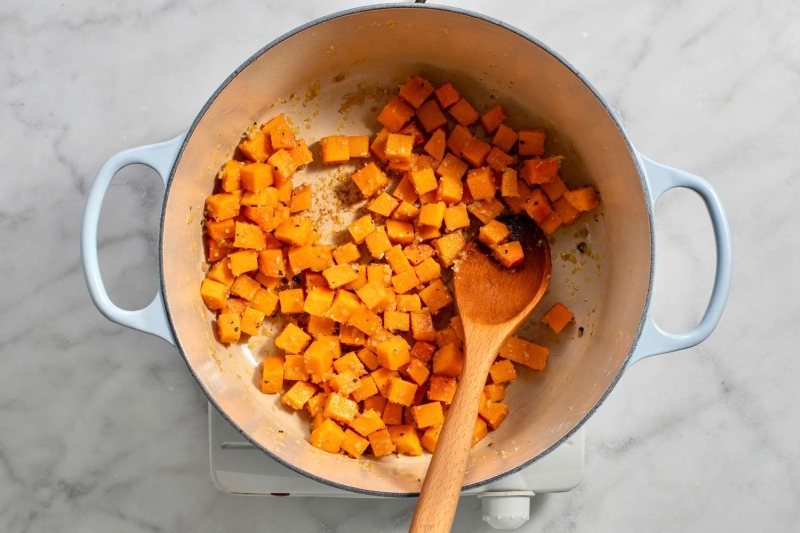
[438, 499]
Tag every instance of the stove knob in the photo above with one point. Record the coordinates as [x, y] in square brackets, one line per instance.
[506, 510]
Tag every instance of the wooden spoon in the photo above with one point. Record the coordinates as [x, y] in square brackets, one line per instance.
[493, 302]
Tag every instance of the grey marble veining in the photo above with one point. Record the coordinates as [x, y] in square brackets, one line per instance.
[103, 429]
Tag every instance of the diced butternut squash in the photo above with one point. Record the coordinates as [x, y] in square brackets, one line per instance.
[318, 301]
[370, 180]
[373, 294]
[464, 113]
[378, 145]
[213, 294]
[294, 231]
[396, 321]
[431, 117]
[505, 138]
[416, 90]
[428, 270]
[405, 281]
[423, 351]
[301, 199]
[558, 317]
[502, 371]
[361, 229]
[370, 360]
[481, 430]
[447, 95]
[344, 305]
[486, 210]
[301, 154]
[436, 296]
[221, 272]
[291, 301]
[492, 119]
[493, 233]
[256, 176]
[297, 396]
[475, 152]
[428, 414]
[335, 149]
[423, 180]
[531, 142]
[508, 183]
[449, 246]
[272, 374]
[456, 217]
[416, 371]
[566, 211]
[267, 218]
[256, 148]
[396, 113]
[432, 214]
[499, 161]
[292, 339]
[283, 166]
[509, 254]
[442, 389]
[251, 321]
[393, 352]
[340, 408]
[222, 206]
[346, 253]
[381, 443]
[551, 223]
[400, 232]
[422, 326]
[481, 183]
[401, 392]
[378, 242]
[353, 444]
[340, 275]
[392, 413]
[453, 167]
[383, 205]
[249, 236]
[448, 361]
[294, 369]
[525, 353]
[430, 438]
[554, 189]
[583, 199]
[493, 413]
[399, 148]
[328, 437]
[405, 190]
[244, 261]
[436, 144]
[495, 391]
[538, 170]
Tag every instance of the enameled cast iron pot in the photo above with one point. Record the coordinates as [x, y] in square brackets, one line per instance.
[381, 46]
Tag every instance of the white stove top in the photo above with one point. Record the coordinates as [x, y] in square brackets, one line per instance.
[237, 467]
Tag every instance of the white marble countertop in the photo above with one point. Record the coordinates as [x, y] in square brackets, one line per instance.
[103, 429]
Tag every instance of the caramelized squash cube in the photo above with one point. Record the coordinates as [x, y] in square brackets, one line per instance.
[231, 176]
[416, 370]
[508, 183]
[450, 190]
[221, 272]
[537, 170]
[566, 211]
[422, 326]
[366, 389]
[459, 138]
[408, 302]
[245, 286]
[346, 253]
[383, 378]
[353, 444]
[379, 144]
[447, 95]
[370, 180]
[481, 183]
[393, 353]
[486, 210]
[294, 369]
[554, 189]
[531, 142]
[294, 231]
[505, 138]
[267, 218]
[405, 439]
[368, 422]
[249, 236]
[537, 206]
[493, 413]
[405, 191]
[475, 152]
[396, 321]
[558, 317]
[456, 217]
[220, 231]
[381, 443]
[499, 161]
[448, 361]
[340, 275]
[583, 199]
[551, 223]
[442, 389]
[256, 148]
[525, 353]
[351, 335]
[301, 154]
[368, 358]
[291, 301]
[495, 391]
[366, 321]
[373, 294]
[436, 144]
[318, 301]
[268, 197]
[430, 438]
[509, 254]
[427, 415]
[301, 199]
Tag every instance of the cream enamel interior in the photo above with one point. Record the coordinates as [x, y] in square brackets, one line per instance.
[381, 48]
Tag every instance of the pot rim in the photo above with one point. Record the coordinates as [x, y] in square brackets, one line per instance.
[459, 11]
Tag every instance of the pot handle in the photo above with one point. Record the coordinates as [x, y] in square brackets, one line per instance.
[153, 318]
[654, 340]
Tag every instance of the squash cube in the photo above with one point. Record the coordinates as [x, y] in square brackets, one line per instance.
[366, 389]
[221, 272]
[417, 253]
[373, 294]
[395, 114]
[430, 116]
[213, 294]
[405, 439]
[551, 223]
[531, 142]
[525, 353]
[459, 138]
[416, 90]
[436, 144]
[405, 281]
[558, 317]
[346, 253]
[328, 436]
[475, 152]
[256, 148]
[481, 430]
[294, 231]
[271, 263]
[231, 176]
[249, 236]
[318, 359]
[401, 392]
[481, 183]
[396, 321]
[503, 371]
[495, 391]
[447, 336]
[292, 339]
[301, 199]
[272, 374]
[449, 246]
[267, 218]
[358, 145]
[423, 180]
[583, 199]
[366, 321]
[318, 301]
[378, 242]
[340, 408]
[375, 403]
[367, 423]
[383, 378]
[452, 167]
[486, 210]
[379, 273]
[400, 232]
[399, 147]
[335, 149]
[493, 413]
[368, 358]
[344, 305]
[416, 370]
[383, 205]
[320, 325]
[291, 301]
[241, 262]
[379, 144]
[349, 363]
[381, 443]
[499, 161]
[339, 275]
[428, 270]
[432, 214]
[492, 119]
[537, 206]
[448, 361]
[493, 233]
[294, 369]
[566, 211]
[422, 326]
[268, 197]
[315, 405]
[554, 189]
[505, 138]
[447, 95]
[450, 191]
[408, 302]
[353, 444]
[245, 286]
[297, 396]
[301, 154]
[221, 231]
[428, 414]
[352, 336]
[456, 217]
[442, 389]
[222, 206]
[256, 176]
[430, 438]
[536, 170]
[361, 229]
[508, 183]
[509, 254]
[283, 166]
[464, 113]
[397, 259]
[393, 352]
